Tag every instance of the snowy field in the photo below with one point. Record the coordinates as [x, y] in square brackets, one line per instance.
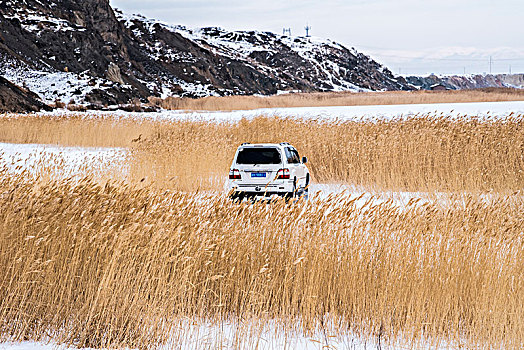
[73, 156]
[75, 161]
[224, 337]
[67, 162]
[384, 112]
[210, 336]
[71, 161]
[298, 343]
[111, 163]
[61, 161]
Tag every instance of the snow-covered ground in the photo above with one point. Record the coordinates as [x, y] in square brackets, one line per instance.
[27, 345]
[214, 338]
[196, 335]
[205, 341]
[384, 112]
[71, 161]
[401, 199]
[112, 163]
[61, 161]
[50, 84]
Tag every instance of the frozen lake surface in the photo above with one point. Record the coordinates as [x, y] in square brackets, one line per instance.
[385, 112]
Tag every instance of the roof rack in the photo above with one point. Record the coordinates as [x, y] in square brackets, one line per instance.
[245, 143]
[284, 144]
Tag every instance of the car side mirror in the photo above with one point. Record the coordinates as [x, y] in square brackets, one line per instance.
[304, 160]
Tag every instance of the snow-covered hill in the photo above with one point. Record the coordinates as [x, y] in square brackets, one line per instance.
[286, 63]
[84, 51]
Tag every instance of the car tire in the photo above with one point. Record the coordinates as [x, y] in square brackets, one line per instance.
[290, 195]
[305, 192]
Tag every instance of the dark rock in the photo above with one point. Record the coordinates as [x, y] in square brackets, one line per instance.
[15, 99]
[144, 58]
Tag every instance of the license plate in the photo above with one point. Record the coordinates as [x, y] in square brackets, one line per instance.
[258, 174]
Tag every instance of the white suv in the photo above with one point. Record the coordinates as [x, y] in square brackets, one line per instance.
[266, 170]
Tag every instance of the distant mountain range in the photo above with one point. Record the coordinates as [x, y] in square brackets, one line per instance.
[84, 52]
[472, 81]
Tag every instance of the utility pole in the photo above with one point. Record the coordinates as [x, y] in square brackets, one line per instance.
[490, 64]
[307, 28]
[510, 69]
[286, 31]
[464, 70]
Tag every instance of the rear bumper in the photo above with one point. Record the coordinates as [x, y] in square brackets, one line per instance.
[280, 188]
[243, 194]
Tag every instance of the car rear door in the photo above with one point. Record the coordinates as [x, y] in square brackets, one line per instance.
[295, 166]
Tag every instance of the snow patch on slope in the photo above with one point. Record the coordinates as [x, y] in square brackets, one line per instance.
[158, 51]
[241, 45]
[51, 85]
[36, 22]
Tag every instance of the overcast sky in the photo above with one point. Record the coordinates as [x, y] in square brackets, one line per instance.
[409, 36]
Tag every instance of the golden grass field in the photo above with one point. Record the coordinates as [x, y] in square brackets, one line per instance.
[419, 153]
[322, 99]
[117, 266]
[134, 261]
[415, 154]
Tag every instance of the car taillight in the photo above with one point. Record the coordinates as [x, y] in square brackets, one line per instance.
[283, 174]
[234, 174]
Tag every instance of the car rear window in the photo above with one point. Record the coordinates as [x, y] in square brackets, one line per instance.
[292, 156]
[259, 156]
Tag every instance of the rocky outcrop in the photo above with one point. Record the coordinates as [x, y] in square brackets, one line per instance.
[220, 62]
[42, 39]
[114, 74]
[15, 99]
[83, 51]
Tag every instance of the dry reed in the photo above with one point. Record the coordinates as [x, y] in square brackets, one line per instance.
[340, 99]
[115, 265]
[118, 266]
[421, 153]
[72, 130]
